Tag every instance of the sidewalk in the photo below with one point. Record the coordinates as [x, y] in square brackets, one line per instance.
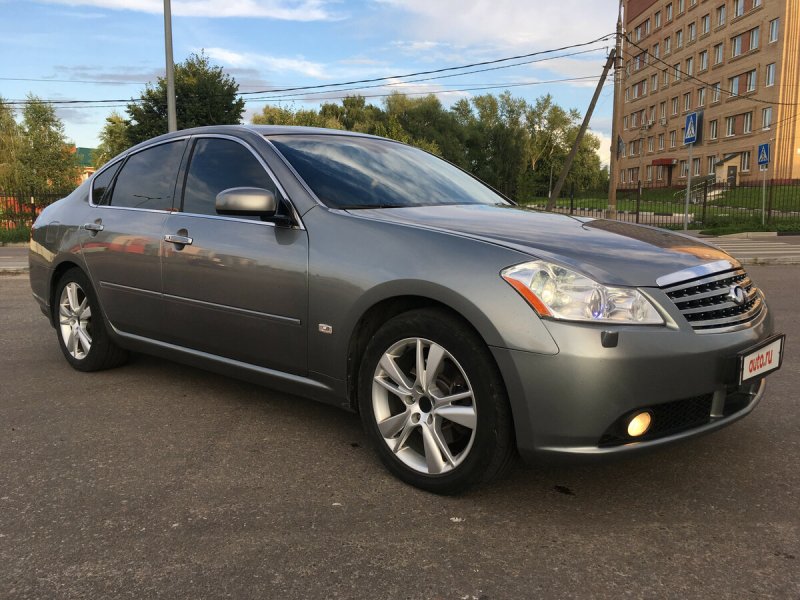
[14, 259]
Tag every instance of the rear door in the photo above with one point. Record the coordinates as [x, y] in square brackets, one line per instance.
[121, 241]
[237, 288]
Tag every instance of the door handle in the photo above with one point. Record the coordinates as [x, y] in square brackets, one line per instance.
[180, 240]
[95, 227]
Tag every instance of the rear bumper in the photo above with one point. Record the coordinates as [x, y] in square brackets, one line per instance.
[575, 403]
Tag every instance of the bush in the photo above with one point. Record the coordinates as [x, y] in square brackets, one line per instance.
[11, 236]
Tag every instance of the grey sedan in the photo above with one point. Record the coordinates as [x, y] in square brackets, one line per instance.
[368, 274]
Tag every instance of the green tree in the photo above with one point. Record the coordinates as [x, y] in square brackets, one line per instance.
[204, 95]
[113, 139]
[10, 146]
[47, 159]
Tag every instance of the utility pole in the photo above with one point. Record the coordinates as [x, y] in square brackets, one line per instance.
[612, 165]
[551, 202]
[172, 119]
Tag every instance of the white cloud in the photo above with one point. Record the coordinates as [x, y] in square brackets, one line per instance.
[289, 10]
[506, 23]
[273, 64]
[605, 147]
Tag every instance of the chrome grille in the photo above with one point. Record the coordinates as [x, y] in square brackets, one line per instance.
[707, 302]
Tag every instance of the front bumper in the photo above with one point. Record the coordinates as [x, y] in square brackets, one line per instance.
[574, 402]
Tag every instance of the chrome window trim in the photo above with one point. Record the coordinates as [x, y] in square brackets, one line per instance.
[125, 158]
[699, 271]
[270, 174]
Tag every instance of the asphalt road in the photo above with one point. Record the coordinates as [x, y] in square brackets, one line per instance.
[159, 480]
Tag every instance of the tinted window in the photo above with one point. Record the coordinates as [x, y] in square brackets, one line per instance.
[217, 165]
[352, 172]
[101, 183]
[147, 179]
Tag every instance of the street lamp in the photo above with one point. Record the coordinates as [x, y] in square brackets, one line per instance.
[172, 120]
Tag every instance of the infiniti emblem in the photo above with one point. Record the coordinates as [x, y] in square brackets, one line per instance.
[737, 295]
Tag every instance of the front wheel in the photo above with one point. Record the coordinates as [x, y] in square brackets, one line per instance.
[433, 404]
[81, 331]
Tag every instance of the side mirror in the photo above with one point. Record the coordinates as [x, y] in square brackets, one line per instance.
[246, 201]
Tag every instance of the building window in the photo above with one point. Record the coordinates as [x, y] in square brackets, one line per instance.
[662, 110]
[660, 141]
[712, 129]
[657, 51]
[667, 45]
[649, 172]
[657, 19]
[730, 126]
[773, 30]
[679, 38]
[650, 144]
[681, 6]
[665, 79]
[647, 27]
[748, 122]
[705, 24]
[751, 80]
[733, 85]
[692, 31]
[696, 165]
[712, 165]
[627, 94]
[673, 136]
[704, 60]
[622, 175]
[701, 96]
[738, 8]
[718, 54]
[659, 172]
[715, 92]
[676, 72]
[675, 105]
[625, 122]
[690, 66]
[736, 46]
[766, 117]
[756, 3]
[745, 161]
[684, 168]
[770, 78]
[654, 82]
[754, 38]
[720, 15]
[687, 101]
[669, 11]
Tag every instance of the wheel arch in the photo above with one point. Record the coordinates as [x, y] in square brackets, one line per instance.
[376, 315]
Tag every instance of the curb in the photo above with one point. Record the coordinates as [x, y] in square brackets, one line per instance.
[14, 271]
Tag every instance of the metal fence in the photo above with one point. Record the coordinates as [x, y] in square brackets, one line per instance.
[18, 210]
[711, 203]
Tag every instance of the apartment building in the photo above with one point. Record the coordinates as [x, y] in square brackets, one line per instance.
[737, 62]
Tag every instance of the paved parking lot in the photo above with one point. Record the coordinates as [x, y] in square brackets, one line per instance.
[159, 480]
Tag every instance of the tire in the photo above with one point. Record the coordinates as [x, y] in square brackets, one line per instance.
[447, 429]
[80, 328]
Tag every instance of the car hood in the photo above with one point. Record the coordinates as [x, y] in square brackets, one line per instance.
[610, 252]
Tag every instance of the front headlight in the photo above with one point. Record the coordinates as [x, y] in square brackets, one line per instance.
[561, 293]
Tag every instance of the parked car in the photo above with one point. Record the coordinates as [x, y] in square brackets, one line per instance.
[368, 274]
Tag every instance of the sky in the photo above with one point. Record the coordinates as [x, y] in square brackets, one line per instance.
[109, 49]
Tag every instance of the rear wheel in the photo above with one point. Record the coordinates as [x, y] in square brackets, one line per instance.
[81, 332]
[433, 403]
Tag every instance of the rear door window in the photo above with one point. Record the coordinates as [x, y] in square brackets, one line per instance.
[147, 179]
[101, 183]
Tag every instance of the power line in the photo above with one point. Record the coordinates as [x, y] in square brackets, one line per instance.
[344, 83]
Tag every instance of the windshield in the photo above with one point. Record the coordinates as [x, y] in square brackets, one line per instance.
[354, 172]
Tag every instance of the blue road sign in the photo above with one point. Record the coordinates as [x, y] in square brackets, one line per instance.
[763, 154]
[690, 133]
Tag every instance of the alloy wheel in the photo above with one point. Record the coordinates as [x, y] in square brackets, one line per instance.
[74, 320]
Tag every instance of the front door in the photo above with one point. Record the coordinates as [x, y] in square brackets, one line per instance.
[237, 288]
[732, 176]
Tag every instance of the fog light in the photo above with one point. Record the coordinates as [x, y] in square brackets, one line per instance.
[639, 424]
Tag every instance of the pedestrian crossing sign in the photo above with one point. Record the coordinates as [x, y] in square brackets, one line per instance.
[763, 154]
[690, 132]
